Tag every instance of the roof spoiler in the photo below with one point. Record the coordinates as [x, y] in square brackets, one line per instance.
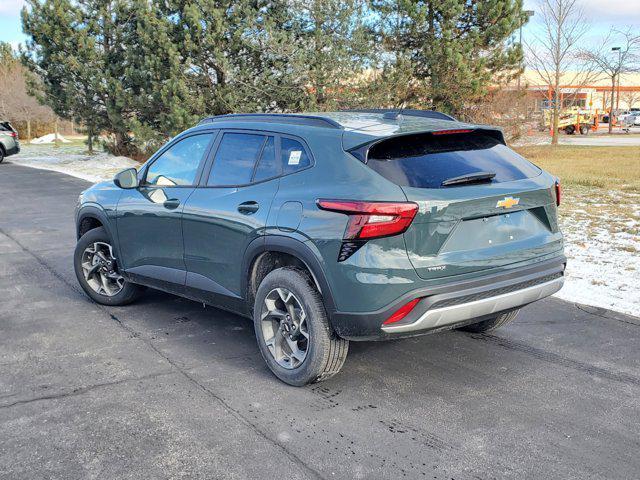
[361, 151]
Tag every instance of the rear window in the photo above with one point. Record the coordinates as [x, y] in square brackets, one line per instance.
[426, 160]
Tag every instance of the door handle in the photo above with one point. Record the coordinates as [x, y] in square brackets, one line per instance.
[171, 203]
[248, 208]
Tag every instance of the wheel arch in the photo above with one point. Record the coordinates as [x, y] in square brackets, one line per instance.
[95, 217]
[288, 246]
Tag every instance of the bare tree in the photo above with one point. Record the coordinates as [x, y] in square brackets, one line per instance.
[16, 104]
[631, 98]
[553, 53]
[606, 101]
[618, 54]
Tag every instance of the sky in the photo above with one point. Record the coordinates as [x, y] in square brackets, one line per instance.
[10, 25]
[602, 15]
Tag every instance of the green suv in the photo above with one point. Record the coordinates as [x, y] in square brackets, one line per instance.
[329, 227]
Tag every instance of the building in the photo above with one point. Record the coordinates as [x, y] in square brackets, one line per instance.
[594, 95]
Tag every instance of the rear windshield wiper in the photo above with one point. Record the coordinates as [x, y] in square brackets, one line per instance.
[477, 177]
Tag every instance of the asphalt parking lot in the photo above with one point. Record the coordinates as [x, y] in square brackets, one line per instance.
[603, 139]
[167, 388]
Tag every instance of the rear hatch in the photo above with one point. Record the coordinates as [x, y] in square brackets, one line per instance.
[6, 129]
[481, 205]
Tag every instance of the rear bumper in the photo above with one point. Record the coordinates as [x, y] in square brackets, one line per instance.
[454, 314]
[456, 304]
[13, 150]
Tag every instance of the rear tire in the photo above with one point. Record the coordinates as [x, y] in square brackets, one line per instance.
[104, 287]
[570, 130]
[293, 331]
[584, 130]
[1, 154]
[491, 324]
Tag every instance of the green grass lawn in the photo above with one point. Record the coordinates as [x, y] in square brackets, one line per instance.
[602, 167]
[601, 186]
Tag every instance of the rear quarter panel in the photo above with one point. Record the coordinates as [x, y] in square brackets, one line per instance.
[380, 271]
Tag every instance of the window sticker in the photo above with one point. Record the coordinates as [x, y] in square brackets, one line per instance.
[294, 157]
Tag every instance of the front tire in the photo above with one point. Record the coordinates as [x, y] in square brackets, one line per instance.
[293, 331]
[491, 324]
[1, 154]
[97, 270]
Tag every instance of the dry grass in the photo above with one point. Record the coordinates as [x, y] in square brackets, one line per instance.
[604, 167]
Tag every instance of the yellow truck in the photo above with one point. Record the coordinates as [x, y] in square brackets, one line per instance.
[572, 121]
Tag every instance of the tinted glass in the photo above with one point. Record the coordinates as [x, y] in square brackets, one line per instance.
[267, 167]
[293, 155]
[425, 161]
[179, 164]
[235, 159]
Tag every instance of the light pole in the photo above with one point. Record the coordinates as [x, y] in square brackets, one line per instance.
[613, 87]
[528, 14]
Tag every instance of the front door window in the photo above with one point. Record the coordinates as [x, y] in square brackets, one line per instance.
[178, 165]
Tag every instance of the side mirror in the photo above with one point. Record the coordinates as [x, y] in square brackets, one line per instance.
[127, 178]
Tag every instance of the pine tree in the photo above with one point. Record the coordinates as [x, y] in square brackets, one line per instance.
[270, 55]
[149, 68]
[61, 56]
[220, 47]
[110, 65]
[330, 51]
[454, 48]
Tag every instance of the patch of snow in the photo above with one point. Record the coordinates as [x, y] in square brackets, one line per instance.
[74, 161]
[47, 139]
[603, 252]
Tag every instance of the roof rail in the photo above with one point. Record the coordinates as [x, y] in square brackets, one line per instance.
[408, 112]
[308, 120]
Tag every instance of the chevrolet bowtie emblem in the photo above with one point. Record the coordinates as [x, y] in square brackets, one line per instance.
[507, 202]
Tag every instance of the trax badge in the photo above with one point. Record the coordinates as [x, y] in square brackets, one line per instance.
[508, 202]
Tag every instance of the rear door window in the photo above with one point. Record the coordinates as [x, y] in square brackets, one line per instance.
[268, 166]
[426, 160]
[235, 159]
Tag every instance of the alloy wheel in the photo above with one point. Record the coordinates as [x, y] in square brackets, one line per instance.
[100, 269]
[284, 328]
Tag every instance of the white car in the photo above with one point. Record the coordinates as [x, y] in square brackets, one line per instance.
[629, 118]
[632, 118]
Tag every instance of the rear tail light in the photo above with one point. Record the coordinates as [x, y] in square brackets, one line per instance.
[13, 134]
[402, 312]
[558, 192]
[368, 220]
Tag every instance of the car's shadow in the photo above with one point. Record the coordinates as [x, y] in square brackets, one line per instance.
[195, 336]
